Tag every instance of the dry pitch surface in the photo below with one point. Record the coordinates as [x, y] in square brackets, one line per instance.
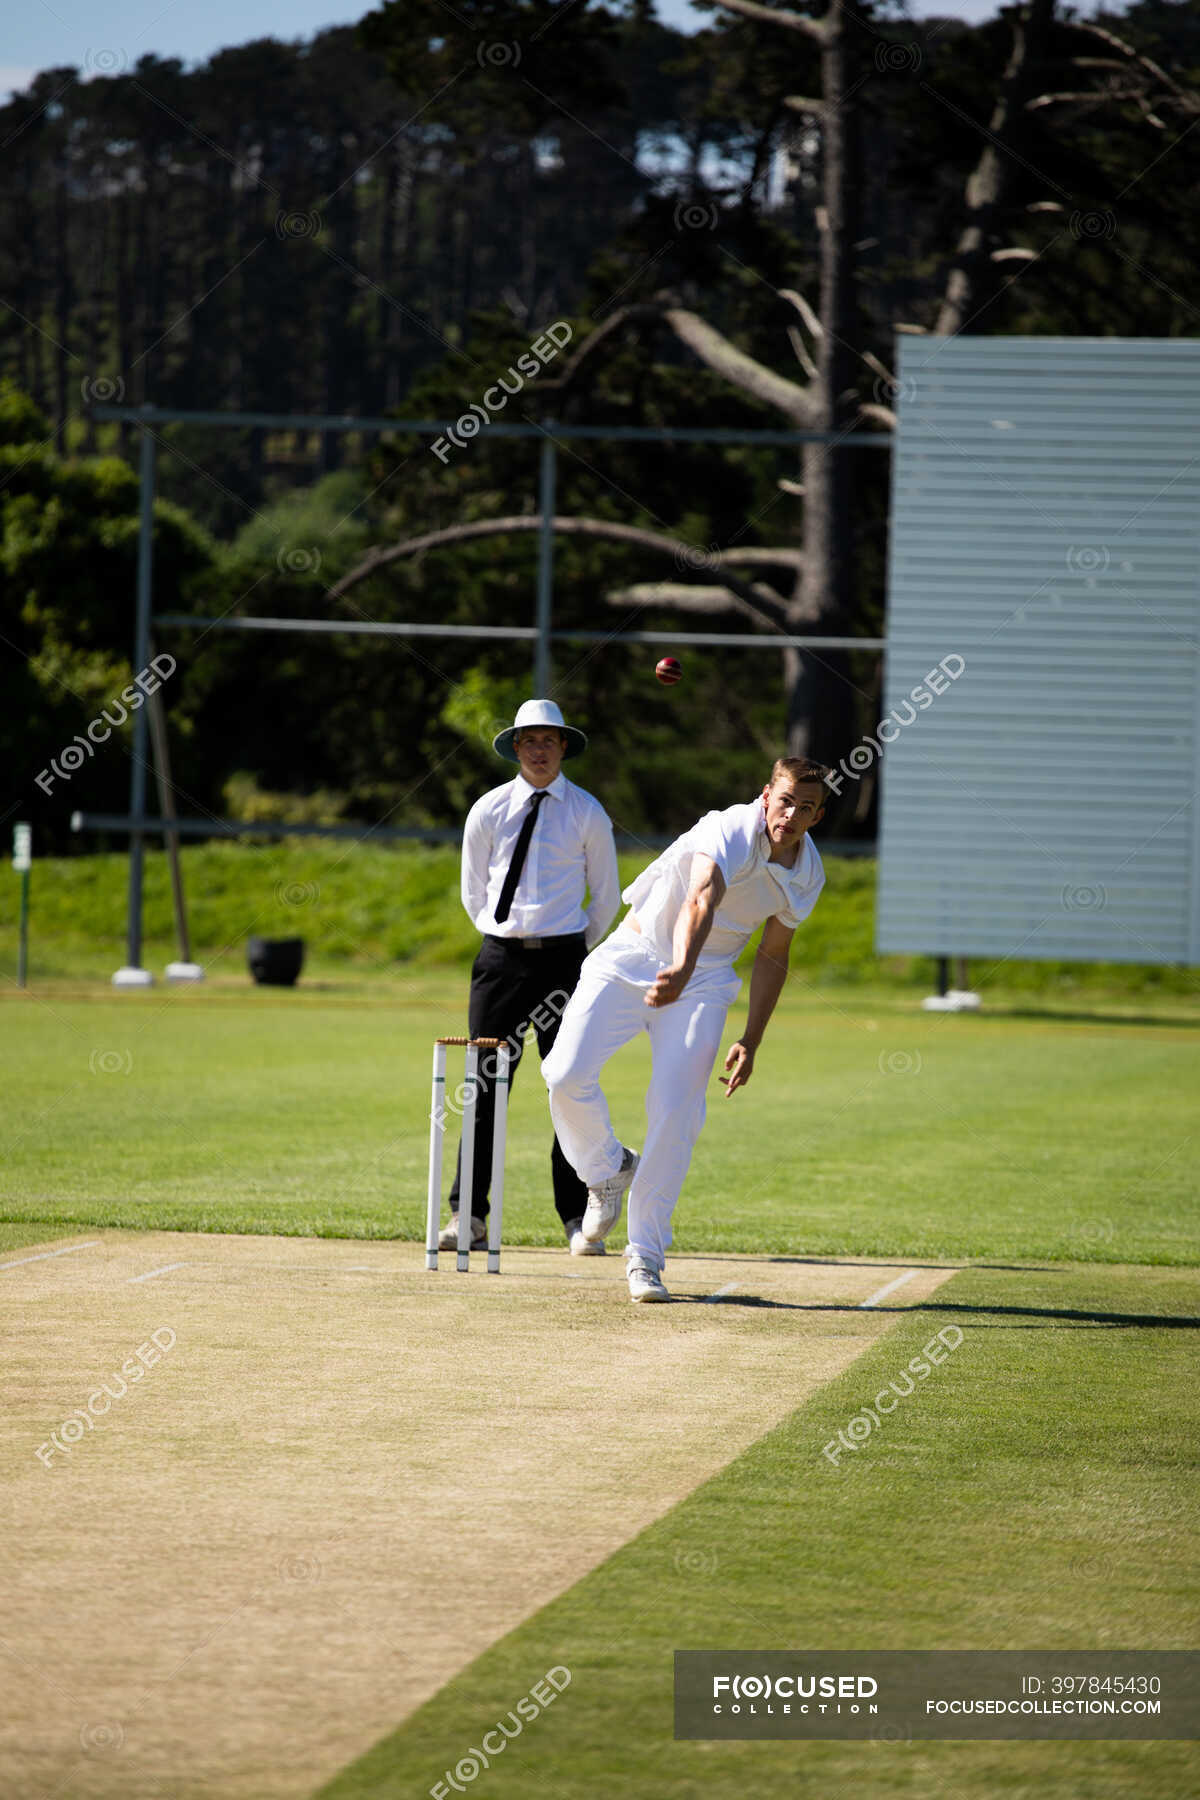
[343, 1478]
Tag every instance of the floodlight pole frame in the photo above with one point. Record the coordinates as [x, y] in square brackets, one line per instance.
[548, 431]
[141, 657]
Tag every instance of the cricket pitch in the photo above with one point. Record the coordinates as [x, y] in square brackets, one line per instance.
[337, 1479]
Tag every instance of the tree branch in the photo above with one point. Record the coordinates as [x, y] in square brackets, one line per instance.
[806, 312]
[683, 598]
[740, 370]
[877, 368]
[756, 599]
[1086, 97]
[775, 556]
[710, 345]
[802, 357]
[640, 313]
[1130, 55]
[770, 15]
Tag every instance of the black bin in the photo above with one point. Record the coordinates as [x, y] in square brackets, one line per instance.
[275, 962]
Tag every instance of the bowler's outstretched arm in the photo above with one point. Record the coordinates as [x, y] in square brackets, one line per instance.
[766, 985]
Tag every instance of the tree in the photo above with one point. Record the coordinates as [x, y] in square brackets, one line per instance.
[320, 225]
[833, 339]
[68, 548]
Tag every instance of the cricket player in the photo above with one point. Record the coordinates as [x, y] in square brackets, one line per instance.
[668, 970]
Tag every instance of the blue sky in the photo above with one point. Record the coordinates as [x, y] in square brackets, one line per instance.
[103, 34]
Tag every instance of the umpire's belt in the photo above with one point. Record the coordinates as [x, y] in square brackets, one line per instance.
[571, 940]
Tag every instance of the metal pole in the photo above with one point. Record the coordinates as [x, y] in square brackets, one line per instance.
[23, 933]
[141, 656]
[166, 802]
[545, 572]
[642, 434]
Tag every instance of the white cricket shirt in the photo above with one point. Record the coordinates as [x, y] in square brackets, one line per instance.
[571, 851]
[756, 889]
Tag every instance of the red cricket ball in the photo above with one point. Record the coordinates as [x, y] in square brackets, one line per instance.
[669, 671]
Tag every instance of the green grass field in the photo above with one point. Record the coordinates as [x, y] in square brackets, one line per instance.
[1040, 1493]
[882, 1131]
[373, 915]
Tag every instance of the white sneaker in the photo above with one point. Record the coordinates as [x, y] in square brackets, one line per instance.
[645, 1281]
[448, 1236]
[604, 1200]
[578, 1243]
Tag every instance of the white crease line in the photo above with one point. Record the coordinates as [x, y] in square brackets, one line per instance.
[889, 1288]
[727, 1289]
[151, 1273]
[45, 1255]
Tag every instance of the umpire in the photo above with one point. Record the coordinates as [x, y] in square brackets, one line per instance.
[530, 849]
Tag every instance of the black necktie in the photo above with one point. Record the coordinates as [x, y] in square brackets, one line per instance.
[504, 904]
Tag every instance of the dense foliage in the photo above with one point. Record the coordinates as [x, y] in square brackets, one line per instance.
[384, 219]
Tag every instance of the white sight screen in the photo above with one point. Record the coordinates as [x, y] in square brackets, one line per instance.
[1040, 800]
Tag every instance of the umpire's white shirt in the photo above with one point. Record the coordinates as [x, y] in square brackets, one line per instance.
[756, 889]
[571, 850]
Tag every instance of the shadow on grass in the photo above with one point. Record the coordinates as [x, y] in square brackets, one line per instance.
[1054, 1315]
[1038, 1014]
[868, 1262]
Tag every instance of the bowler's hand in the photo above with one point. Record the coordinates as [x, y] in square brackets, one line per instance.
[667, 986]
[741, 1062]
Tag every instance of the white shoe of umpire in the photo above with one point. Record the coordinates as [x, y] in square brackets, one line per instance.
[448, 1236]
[645, 1281]
[579, 1245]
[604, 1200]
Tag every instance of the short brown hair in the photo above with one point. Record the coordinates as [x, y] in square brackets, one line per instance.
[799, 768]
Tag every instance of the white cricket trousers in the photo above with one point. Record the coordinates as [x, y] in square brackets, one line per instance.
[607, 1010]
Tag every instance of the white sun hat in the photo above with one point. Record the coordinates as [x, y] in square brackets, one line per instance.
[538, 712]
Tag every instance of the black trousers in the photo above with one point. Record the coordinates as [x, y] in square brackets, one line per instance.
[511, 989]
